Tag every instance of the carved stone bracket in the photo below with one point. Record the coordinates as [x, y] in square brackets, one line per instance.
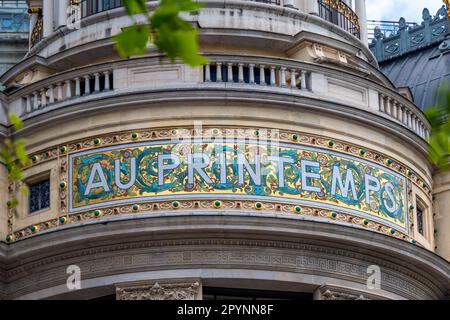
[333, 293]
[176, 290]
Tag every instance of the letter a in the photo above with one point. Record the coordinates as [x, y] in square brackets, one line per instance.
[102, 183]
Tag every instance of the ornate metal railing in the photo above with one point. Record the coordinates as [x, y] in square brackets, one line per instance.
[340, 14]
[91, 7]
[409, 38]
[387, 28]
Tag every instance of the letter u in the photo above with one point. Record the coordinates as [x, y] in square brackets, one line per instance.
[119, 183]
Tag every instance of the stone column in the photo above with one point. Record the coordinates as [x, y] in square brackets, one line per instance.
[288, 3]
[312, 7]
[47, 13]
[62, 13]
[360, 9]
[184, 289]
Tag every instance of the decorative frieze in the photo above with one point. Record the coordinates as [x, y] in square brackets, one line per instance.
[61, 153]
[335, 293]
[221, 254]
[176, 290]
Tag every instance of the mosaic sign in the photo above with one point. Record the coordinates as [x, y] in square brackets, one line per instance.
[244, 169]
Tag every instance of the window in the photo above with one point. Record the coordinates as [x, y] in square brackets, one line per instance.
[420, 221]
[252, 295]
[39, 195]
[422, 211]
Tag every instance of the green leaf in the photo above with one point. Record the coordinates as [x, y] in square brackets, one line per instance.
[173, 36]
[6, 156]
[178, 38]
[15, 172]
[132, 40]
[20, 152]
[25, 190]
[434, 116]
[16, 121]
[135, 6]
[13, 203]
[439, 117]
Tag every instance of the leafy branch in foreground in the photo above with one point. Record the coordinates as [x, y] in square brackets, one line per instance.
[439, 117]
[170, 33]
[14, 156]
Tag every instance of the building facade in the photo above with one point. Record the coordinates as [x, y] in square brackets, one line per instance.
[14, 30]
[416, 57]
[289, 166]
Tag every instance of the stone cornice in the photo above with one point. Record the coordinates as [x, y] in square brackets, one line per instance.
[336, 72]
[345, 73]
[346, 40]
[21, 66]
[238, 4]
[225, 233]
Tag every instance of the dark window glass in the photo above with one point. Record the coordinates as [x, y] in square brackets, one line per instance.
[420, 220]
[247, 294]
[40, 196]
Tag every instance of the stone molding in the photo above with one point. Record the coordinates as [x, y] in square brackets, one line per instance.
[116, 138]
[115, 255]
[334, 293]
[160, 290]
[220, 93]
[274, 10]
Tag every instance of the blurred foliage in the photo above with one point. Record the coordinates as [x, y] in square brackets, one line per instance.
[170, 33]
[14, 156]
[439, 117]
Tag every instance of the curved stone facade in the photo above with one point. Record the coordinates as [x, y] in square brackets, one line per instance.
[278, 79]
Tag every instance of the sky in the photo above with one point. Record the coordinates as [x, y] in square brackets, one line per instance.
[411, 10]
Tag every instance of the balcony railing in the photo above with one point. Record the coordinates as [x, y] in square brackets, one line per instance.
[340, 14]
[272, 75]
[91, 7]
[68, 88]
[225, 72]
[334, 11]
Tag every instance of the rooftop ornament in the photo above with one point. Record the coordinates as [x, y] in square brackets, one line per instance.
[410, 38]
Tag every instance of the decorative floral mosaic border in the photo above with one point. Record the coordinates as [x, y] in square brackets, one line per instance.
[62, 152]
[206, 206]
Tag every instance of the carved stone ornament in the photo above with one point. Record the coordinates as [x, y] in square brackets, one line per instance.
[165, 291]
[334, 293]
